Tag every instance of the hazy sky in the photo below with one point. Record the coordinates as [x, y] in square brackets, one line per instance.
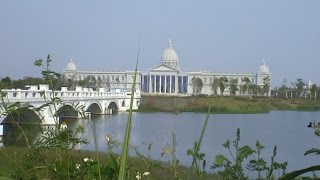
[221, 36]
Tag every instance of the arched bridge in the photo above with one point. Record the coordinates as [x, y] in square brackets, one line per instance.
[91, 102]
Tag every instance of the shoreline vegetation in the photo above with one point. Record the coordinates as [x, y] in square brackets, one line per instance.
[224, 105]
[161, 169]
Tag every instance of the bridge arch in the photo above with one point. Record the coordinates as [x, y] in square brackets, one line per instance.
[114, 106]
[66, 111]
[94, 108]
[28, 120]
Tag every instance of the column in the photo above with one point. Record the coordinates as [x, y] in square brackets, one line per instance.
[149, 84]
[165, 84]
[154, 84]
[170, 84]
[142, 83]
[160, 84]
[176, 84]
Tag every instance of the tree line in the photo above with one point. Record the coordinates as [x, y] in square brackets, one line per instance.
[245, 87]
[298, 89]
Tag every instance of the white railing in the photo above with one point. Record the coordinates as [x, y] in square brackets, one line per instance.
[38, 94]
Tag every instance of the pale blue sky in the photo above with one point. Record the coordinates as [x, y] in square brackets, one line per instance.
[222, 36]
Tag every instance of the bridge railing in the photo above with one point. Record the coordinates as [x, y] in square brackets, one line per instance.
[37, 94]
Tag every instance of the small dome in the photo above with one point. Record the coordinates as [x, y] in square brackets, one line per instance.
[170, 57]
[71, 66]
[263, 69]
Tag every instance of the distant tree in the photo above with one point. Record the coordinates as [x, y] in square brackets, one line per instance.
[214, 86]
[223, 83]
[253, 89]
[91, 82]
[64, 82]
[283, 90]
[299, 87]
[5, 83]
[100, 81]
[197, 85]
[82, 82]
[233, 86]
[313, 91]
[21, 83]
[259, 91]
[266, 85]
[245, 85]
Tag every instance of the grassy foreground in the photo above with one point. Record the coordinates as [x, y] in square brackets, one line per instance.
[13, 156]
[225, 104]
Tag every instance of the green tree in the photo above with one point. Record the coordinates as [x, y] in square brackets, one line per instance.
[197, 85]
[245, 85]
[21, 83]
[299, 87]
[214, 86]
[223, 83]
[283, 90]
[252, 89]
[313, 91]
[5, 83]
[233, 86]
[259, 91]
[266, 85]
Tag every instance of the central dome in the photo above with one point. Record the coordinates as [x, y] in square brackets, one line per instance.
[71, 66]
[170, 57]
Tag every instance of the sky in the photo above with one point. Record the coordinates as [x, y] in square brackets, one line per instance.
[221, 36]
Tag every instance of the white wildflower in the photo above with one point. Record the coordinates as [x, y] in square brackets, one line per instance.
[78, 166]
[86, 159]
[63, 126]
[138, 176]
[146, 173]
[108, 138]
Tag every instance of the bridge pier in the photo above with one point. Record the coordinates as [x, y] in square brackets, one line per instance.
[1, 135]
[108, 111]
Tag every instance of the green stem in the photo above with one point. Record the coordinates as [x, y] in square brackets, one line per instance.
[125, 148]
[297, 173]
[197, 148]
[96, 147]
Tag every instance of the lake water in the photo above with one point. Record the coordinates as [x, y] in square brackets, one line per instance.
[286, 129]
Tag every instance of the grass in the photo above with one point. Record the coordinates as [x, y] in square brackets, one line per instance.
[225, 105]
[164, 171]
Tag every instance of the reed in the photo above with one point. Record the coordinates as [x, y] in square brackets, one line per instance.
[125, 147]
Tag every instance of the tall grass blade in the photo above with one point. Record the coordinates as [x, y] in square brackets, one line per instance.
[197, 148]
[96, 146]
[125, 148]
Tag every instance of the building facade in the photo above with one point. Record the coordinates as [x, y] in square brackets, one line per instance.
[167, 78]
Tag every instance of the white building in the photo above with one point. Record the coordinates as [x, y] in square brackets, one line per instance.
[167, 77]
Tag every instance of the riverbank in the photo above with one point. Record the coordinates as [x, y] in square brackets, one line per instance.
[230, 105]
